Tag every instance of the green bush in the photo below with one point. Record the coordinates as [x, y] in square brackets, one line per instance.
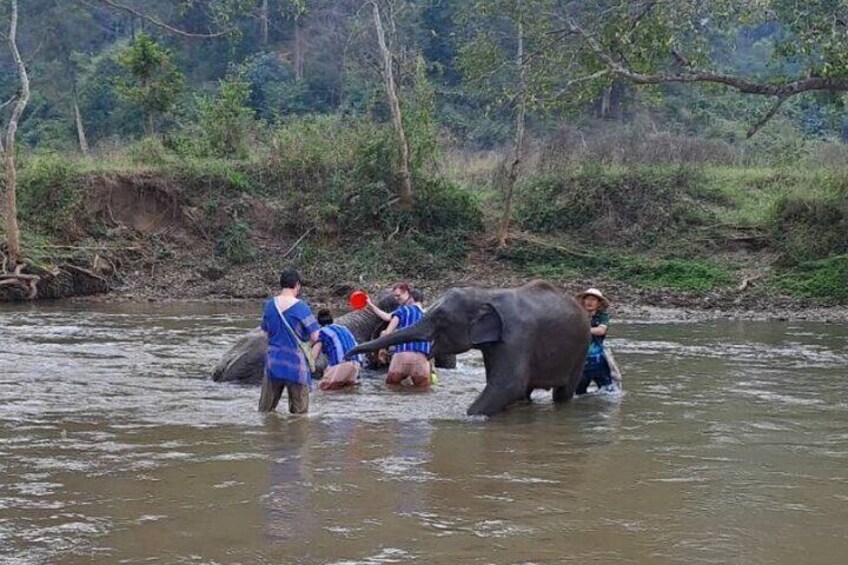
[234, 243]
[635, 207]
[678, 274]
[49, 190]
[826, 279]
[226, 120]
[813, 225]
[149, 151]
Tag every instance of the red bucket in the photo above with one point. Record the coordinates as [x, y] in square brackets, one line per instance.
[358, 300]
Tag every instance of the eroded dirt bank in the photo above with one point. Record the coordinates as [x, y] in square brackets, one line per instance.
[147, 238]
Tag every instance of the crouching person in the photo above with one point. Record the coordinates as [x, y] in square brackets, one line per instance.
[290, 327]
[335, 341]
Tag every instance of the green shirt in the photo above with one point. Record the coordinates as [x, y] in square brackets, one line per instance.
[600, 319]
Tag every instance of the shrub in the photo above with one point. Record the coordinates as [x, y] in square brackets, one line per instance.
[634, 207]
[679, 274]
[812, 225]
[234, 243]
[226, 120]
[825, 279]
[49, 190]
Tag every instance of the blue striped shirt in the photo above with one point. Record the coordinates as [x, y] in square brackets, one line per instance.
[337, 340]
[408, 316]
[284, 361]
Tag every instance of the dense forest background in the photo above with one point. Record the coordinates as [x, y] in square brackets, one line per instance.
[319, 57]
[527, 123]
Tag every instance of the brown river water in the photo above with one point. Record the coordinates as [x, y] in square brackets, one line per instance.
[729, 445]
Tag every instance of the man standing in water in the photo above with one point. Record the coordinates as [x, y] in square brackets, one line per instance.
[291, 328]
[409, 360]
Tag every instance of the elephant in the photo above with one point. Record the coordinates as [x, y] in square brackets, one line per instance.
[531, 337]
[245, 361]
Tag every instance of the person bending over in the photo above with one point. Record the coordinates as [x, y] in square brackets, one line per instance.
[335, 341]
[409, 360]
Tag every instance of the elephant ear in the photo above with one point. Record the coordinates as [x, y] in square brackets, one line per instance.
[486, 326]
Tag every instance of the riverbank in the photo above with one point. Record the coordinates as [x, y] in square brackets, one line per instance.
[153, 225]
[253, 283]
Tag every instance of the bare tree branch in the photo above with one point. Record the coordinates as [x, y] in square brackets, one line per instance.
[9, 101]
[690, 74]
[579, 80]
[159, 23]
[752, 131]
[744, 85]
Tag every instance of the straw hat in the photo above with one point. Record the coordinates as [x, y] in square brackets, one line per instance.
[597, 294]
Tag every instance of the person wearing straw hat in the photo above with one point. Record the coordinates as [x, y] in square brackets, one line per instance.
[598, 367]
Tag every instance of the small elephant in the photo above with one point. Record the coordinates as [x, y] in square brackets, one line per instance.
[533, 336]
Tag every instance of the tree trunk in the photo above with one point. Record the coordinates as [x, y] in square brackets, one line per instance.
[12, 232]
[263, 22]
[512, 177]
[83, 142]
[605, 102]
[406, 195]
[298, 49]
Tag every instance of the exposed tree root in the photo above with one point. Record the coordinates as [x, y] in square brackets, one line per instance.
[29, 280]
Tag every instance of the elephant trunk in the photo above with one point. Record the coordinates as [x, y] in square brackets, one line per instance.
[422, 331]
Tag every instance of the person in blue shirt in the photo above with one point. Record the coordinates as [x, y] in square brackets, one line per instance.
[290, 326]
[335, 341]
[409, 360]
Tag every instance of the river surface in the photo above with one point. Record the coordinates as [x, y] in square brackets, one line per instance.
[729, 445]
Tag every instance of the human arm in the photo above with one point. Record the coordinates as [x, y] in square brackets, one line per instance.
[600, 324]
[393, 324]
[316, 349]
[382, 314]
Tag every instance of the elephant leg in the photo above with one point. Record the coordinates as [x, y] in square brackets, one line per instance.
[563, 393]
[506, 383]
[495, 399]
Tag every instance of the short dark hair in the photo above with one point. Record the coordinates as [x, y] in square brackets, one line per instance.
[417, 294]
[289, 279]
[324, 317]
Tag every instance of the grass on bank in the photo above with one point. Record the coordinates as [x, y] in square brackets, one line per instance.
[657, 227]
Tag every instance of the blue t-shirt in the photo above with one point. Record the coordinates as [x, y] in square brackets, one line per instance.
[284, 360]
[337, 340]
[407, 316]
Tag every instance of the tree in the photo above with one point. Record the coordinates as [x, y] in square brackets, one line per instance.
[156, 83]
[226, 120]
[504, 79]
[13, 242]
[407, 198]
[652, 42]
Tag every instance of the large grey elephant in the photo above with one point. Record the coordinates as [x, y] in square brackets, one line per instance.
[533, 336]
[245, 361]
